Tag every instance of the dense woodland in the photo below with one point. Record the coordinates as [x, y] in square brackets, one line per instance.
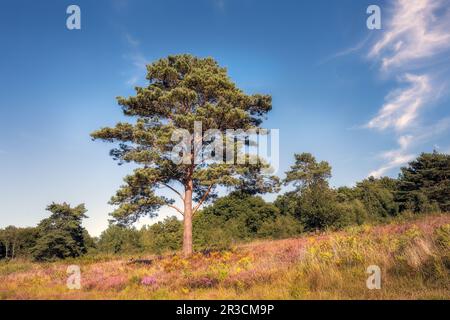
[422, 187]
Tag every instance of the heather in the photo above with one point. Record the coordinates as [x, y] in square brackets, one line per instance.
[413, 255]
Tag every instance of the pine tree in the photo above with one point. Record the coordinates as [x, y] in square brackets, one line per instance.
[182, 90]
[425, 182]
[61, 235]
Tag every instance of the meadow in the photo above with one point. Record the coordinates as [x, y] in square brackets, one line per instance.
[412, 253]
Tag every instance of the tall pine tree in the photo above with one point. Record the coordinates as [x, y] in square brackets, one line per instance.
[182, 90]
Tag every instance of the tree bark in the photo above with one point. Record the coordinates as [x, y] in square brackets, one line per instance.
[187, 230]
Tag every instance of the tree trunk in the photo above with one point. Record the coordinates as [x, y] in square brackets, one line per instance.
[187, 230]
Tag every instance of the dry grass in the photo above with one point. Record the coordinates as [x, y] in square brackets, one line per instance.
[414, 258]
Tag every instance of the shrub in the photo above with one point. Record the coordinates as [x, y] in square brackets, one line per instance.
[351, 213]
[281, 227]
[317, 207]
[119, 239]
[163, 236]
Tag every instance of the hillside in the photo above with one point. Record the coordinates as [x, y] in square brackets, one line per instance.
[413, 255]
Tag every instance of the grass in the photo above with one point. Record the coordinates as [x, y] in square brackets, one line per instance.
[413, 255]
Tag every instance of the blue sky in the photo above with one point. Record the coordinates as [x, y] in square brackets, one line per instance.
[367, 101]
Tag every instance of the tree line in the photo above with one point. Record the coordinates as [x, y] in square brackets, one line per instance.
[422, 187]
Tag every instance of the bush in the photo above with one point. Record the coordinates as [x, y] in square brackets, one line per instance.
[281, 227]
[378, 200]
[163, 236]
[119, 239]
[317, 207]
[351, 213]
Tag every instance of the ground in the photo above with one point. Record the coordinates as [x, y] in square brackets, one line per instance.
[413, 256]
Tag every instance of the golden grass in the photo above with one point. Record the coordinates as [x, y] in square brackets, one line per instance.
[414, 258]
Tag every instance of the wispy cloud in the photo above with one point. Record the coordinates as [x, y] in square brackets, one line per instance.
[416, 35]
[395, 158]
[417, 30]
[348, 51]
[137, 59]
[403, 105]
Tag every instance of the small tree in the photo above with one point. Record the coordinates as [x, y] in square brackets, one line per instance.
[315, 201]
[182, 90]
[61, 235]
[377, 195]
[307, 172]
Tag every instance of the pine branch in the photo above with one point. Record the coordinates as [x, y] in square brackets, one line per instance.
[202, 200]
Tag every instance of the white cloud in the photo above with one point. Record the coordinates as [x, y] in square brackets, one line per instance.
[417, 30]
[395, 158]
[403, 105]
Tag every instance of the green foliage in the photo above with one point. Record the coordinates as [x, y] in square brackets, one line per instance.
[283, 226]
[214, 232]
[315, 203]
[249, 211]
[16, 242]
[307, 172]
[351, 213]
[317, 207]
[287, 202]
[377, 196]
[240, 217]
[119, 239]
[163, 236]
[61, 235]
[424, 184]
